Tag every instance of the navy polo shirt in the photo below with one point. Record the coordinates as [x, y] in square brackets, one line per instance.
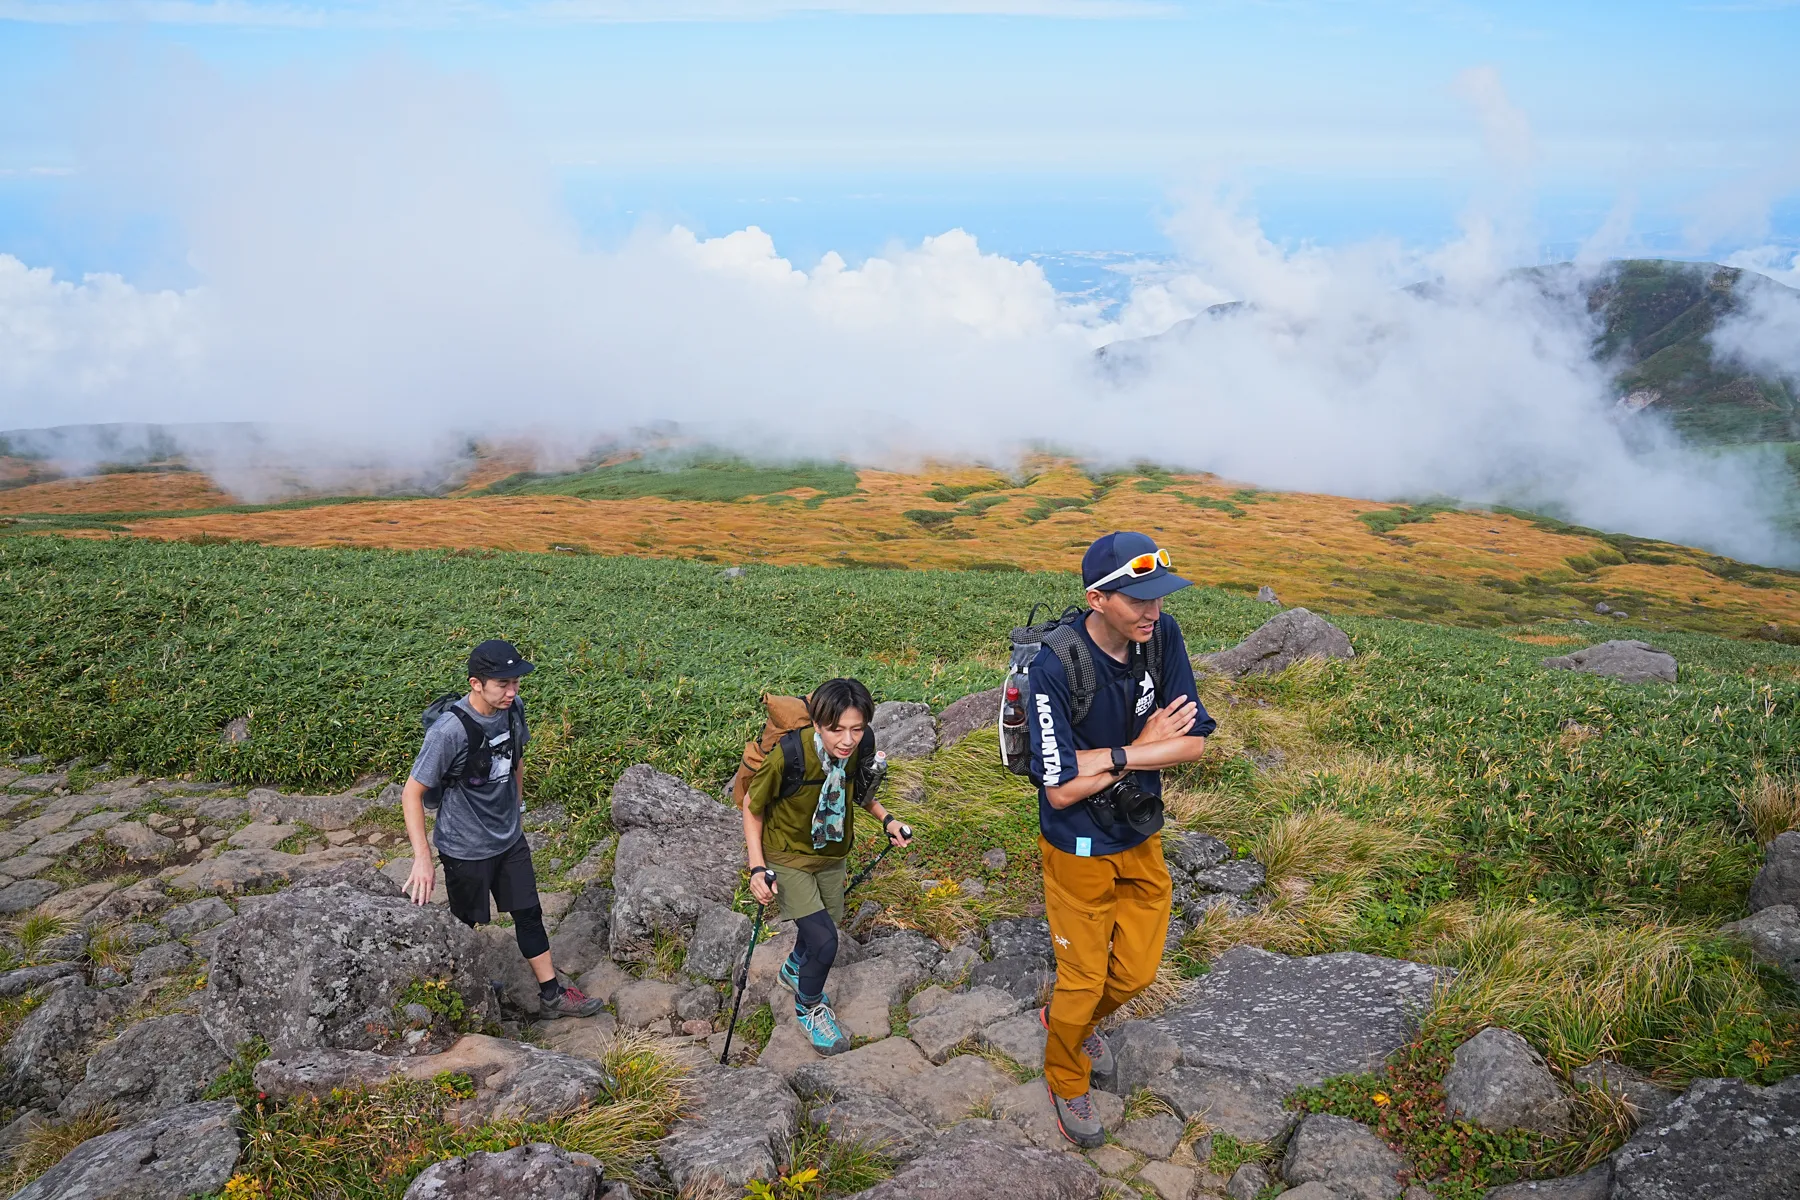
[1117, 715]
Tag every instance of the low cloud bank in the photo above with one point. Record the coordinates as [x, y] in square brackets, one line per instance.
[385, 275]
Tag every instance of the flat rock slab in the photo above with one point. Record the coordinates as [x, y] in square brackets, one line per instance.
[1028, 1106]
[739, 1120]
[950, 1093]
[240, 870]
[1722, 1139]
[1155, 1136]
[26, 894]
[261, 835]
[876, 1122]
[535, 1169]
[878, 1068]
[1021, 1038]
[1167, 1180]
[1247, 1106]
[984, 1170]
[1589, 1185]
[191, 1150]
[787, 1050]
[1299, 1021]
[958, 1019]
[1630, 662]
[1346, 1157]
[153, 1066]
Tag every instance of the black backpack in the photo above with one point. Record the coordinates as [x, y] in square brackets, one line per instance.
[793, 761]
[1071, 649]
[478, 759]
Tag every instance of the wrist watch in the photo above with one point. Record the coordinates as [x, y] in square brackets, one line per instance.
[1118, 759]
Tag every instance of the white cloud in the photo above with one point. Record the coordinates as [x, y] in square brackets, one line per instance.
[385, 273]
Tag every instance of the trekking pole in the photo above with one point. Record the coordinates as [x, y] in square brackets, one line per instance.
[743, 980]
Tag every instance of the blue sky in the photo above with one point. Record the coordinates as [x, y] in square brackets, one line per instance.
[1039, 125]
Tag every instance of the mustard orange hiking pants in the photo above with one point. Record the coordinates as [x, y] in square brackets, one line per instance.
[1108, 917]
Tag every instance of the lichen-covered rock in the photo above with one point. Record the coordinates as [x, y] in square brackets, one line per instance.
[1279, 643]
[1589, 1185]
[47, 1052]
[1345, 1156]
[963, 717]
[328, 966]
[985, 1170]
[534, 1170]
[904, 729]
[1627, 661]
[739, 1118]
[1722, 1139]
[1778, 882]
[153, 1066]
[679, 851]
[1498, 1081]
[188, 1151]
[719, 944]
[875, 1121]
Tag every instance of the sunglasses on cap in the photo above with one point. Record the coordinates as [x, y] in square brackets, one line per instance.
[1137, 568]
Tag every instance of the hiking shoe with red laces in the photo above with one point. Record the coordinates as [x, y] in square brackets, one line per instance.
[1100, 1055]
[1077, 1119]
[570, 1002]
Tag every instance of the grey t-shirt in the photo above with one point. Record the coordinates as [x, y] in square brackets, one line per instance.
[479, 818]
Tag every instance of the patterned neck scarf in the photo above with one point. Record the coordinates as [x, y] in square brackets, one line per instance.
[828, 818]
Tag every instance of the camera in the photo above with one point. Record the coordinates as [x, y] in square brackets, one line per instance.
[1126, 803]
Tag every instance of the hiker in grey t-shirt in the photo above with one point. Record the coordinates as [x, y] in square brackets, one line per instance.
[470, 764]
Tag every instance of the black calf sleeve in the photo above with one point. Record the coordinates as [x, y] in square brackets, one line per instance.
[820, 937]
[528, 927]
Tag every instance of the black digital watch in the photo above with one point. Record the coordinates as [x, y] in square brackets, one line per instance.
[1118, 760]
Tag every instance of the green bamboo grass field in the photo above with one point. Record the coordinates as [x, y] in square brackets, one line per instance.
[1570, 843]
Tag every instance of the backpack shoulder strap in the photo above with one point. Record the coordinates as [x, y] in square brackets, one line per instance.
[477, 738]
[1154, 654]
[793, 762]
[1070, 648]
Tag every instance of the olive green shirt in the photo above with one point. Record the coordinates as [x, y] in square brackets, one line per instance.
[787, 820]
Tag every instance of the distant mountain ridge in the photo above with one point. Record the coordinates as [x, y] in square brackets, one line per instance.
[1657, 317]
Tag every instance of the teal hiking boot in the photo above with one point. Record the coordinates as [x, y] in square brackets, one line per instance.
[790, 975]
[820, 1025]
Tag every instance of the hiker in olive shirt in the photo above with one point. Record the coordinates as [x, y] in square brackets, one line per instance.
[470, 765]
[799, 843]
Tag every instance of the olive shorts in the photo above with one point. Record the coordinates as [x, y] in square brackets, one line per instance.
[803, 893]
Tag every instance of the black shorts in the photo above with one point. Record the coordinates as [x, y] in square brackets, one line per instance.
[508, 877]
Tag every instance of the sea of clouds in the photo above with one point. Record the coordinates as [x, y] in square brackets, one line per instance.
[384, 272]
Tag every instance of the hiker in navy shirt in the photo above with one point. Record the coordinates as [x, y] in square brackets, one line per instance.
[1122, 706]
[1107, 891]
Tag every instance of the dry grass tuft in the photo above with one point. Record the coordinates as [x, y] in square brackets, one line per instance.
[1581, 991]
[1770, 805]
[46, 1145]
[1166, 989]
[1322, 842]
[1144, 1103]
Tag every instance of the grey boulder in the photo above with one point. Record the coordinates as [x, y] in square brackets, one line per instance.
[965, 716]
[1498, 1081]
[1722, 1139]
[154, 1066]
[985, 1170]
[875, 1121]
[720, 941]
[737, 1121]
[536, 1169]
[904, 729]
[1778, 882]
[1589, 1185]
[1627, 661]
[188, 1151]
[45, 1057]
[1774, 936]
[1279, 643]
[679, 850]
[1343, 1155]
[327, 967]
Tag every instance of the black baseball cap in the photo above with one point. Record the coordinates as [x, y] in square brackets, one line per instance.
[495, 659]
[1106, 558]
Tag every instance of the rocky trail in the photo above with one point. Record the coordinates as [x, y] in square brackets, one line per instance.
[158, 926]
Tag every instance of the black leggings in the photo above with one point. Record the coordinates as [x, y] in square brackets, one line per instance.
[815, 948]
[528, 927]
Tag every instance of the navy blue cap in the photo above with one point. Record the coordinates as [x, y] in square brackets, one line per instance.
[1113, 551]
[495, 659]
